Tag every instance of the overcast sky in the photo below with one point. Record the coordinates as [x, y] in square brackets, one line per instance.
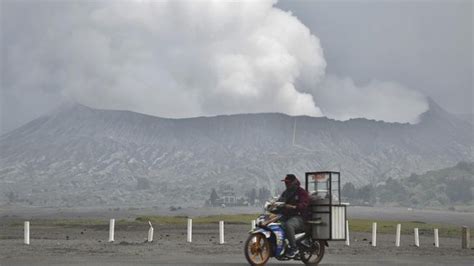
[424, 45]
[341, 59]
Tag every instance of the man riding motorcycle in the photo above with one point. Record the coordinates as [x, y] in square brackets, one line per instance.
[295, 211]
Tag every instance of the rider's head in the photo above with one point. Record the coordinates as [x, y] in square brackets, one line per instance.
[289, 180]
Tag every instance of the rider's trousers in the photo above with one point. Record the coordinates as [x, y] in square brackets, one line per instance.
[292, 225]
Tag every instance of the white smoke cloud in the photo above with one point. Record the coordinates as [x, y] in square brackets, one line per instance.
[342, 99]
[188, 58]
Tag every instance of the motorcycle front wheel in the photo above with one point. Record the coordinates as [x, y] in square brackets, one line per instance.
[257, 249]
[314, 254]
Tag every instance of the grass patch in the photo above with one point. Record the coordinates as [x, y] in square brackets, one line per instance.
[389, 227]
[355, 225]
[229, 219]
[82, 222]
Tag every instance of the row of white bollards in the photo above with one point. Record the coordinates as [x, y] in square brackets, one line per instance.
[190, 231]
[150, 231]
[465, 233]
[398, 233]
[112, 231]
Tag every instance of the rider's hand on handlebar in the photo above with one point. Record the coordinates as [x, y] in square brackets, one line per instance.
[289, 206]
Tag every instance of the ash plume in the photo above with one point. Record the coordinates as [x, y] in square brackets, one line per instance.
[184, 59]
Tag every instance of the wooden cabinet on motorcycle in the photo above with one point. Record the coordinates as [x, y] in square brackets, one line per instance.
[328, 214]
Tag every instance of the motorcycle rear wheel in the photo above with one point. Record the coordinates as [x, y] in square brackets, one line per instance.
[257, 249]
[313, 255]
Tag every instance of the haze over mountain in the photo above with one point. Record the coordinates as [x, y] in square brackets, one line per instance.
[79, 156]
[467, 117]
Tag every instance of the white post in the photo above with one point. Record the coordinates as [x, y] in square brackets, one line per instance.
[190, 230]
[221, 232]
[27, 232]
[465, 237]
[111, 230]
[253, 224]
[347, 233]
[436, 238]
[397, 238]
[374, 234]
[150, 233]
[417, 238]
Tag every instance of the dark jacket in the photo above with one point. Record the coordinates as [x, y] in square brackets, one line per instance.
[296, 195]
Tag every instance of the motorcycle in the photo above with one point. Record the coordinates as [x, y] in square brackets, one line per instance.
[268, 240]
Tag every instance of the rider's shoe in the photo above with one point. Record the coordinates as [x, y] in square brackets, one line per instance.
[292, 252]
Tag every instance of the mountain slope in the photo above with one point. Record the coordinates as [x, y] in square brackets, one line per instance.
[443, 187]
[78, 156]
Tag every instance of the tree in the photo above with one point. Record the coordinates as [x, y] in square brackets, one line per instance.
[459, 190]
[263, 194]
[367, 194]
[252, 195]
[392, 191]
[214, 197]
[349, 191]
